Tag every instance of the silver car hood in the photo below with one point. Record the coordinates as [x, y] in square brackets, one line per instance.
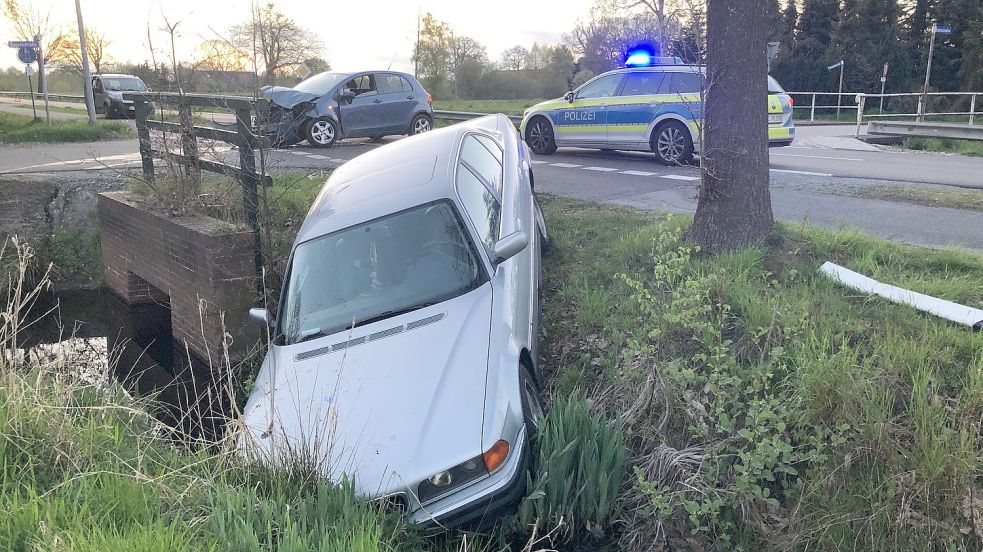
[386, 413]
[286, 97]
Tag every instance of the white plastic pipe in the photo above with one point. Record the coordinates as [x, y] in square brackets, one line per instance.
[960, 314]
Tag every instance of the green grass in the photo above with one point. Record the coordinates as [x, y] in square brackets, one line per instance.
[946, 145]
[765, 406]
[16, 129]
[762, 406]
[933, 196]
[508, 107]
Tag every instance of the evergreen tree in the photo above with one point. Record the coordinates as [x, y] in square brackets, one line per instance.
[955, 50]
[790, 19]
[866, 38]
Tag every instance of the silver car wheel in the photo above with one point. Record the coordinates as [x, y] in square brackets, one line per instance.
[322, 132]
[532, 399]
[422, 125]
[671, 144]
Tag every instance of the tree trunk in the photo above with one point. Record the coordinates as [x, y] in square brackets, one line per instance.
[734, 205]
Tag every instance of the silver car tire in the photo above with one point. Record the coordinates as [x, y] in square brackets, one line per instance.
[421, 123]
[532, 407]
[322, 132]
[672, 144]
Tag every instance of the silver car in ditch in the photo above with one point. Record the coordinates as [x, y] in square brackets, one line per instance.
[404, 348]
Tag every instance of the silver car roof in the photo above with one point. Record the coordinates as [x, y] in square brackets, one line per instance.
[403, 174]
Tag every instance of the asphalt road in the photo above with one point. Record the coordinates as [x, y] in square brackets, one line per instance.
[803, 177]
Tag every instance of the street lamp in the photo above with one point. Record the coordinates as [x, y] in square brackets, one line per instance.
[923, 102]
[840, 95]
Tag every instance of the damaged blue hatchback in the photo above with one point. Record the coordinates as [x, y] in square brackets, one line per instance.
[331, 106]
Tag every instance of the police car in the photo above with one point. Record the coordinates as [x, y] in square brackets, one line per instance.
[654, 104]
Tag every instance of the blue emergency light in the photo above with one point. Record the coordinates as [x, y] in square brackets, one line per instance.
[638, 58]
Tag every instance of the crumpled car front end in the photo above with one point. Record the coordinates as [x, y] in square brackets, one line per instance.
[290, 111]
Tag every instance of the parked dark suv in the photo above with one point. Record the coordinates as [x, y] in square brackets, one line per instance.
[107, 92]
[330, 106]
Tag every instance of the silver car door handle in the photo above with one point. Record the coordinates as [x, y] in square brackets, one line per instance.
[376, 101]
[410, 97]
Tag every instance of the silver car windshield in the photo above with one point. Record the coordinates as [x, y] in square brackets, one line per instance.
[372, 271]
[321, 83]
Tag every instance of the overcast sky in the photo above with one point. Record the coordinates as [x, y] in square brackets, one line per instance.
[357, 34]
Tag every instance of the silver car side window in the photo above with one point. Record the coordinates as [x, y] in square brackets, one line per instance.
[480, 205]
[486, 164]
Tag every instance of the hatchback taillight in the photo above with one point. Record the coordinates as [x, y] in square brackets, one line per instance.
[429, 100]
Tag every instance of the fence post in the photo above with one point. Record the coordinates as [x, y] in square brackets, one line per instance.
[861, 101]
[247, 168]
[812, 112]
[972, 108]
[143, 135]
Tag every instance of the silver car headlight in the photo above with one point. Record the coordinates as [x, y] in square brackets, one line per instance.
[448, 480]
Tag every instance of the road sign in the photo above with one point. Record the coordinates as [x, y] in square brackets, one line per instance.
[303, 71]
[943, 29]
[835, 65]
[24, 44]
[27, 55]
[28, 69]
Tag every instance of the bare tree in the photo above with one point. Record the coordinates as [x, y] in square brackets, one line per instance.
[279, 41]
[514, 58]
[27, 21]
[69, 52]
[734, 205]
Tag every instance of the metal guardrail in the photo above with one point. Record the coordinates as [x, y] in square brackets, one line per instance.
[926, 130]
[859, 104]
[40, 96]
[467, 116]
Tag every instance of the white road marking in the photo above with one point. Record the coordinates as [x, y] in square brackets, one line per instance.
[538, 162]
[818, 157]
[312, 156]
[297, 152]
[564, 165]
[679, 177]
[638, 173]
[599, 169]
[800, 172]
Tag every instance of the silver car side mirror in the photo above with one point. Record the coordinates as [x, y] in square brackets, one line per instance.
[568, 97]
[261, 316]
[510, 246]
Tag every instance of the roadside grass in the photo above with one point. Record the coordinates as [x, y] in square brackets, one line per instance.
[16, 129]
[764, 406]
[945, 145]
[933, 196]
[53, 109]
[508, 107]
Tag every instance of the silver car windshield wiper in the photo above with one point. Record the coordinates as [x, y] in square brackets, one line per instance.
[390, 314]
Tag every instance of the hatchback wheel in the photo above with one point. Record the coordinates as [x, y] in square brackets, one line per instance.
[421, 123]
[672, 144]
[322, 132]
[539, 136]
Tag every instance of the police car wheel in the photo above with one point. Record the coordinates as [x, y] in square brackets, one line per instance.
[539, 136]
[321, 132]
[672, 144]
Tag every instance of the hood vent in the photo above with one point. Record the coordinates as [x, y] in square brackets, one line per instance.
[372, 337]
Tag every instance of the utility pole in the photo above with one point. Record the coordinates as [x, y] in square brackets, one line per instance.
[90, 106]
[416, 52]
[923, 103]
[43, 79]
